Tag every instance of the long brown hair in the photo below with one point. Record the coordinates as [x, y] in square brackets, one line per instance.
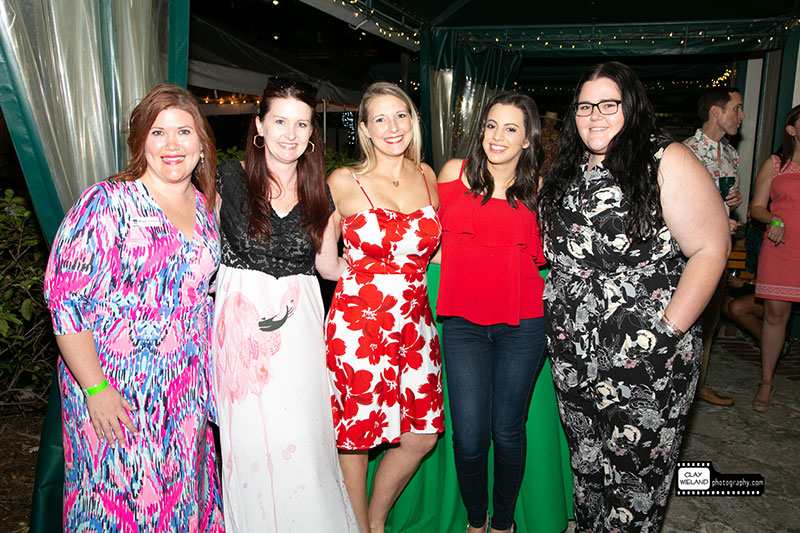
[526, 178]
[144, 115]
[311, 198]
[786, 151]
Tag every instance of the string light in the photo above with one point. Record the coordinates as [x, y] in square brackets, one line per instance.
[756, 35]
[396, 31]
[720, 81]
[349, 122]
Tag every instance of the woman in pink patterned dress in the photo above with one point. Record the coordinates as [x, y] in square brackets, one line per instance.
[127, 285]
[383, 351]
[776, 203]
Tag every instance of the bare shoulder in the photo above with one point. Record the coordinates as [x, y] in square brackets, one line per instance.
[767, 168]
[341, 182]
[341, 177]
[450, 171]
[679, 163]
[430, 180]
[428, 172]
[676, 153]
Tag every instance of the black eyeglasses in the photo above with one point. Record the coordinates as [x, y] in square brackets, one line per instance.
[605, 107]
[287, 83]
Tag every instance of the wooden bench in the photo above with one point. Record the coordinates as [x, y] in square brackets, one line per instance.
[736, 264]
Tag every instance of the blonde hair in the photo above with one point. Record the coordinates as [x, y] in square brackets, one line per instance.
[414, 150]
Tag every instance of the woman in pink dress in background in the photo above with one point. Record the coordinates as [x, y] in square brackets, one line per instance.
[383, 351]
[127, 284]
[776, 203]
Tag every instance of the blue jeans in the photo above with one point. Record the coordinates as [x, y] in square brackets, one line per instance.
[491, 372]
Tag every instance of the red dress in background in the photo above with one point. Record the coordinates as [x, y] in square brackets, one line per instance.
[779, 266]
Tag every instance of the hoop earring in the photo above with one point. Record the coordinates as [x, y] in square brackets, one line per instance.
[256, 144]
[313, 147]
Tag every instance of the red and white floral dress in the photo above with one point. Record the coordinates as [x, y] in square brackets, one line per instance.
[383, 350]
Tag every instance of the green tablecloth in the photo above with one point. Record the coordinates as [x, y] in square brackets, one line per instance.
[432, 504]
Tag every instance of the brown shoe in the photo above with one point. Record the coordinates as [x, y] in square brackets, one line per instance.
[707, 394]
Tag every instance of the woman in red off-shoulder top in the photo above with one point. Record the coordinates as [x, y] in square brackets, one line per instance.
[490, 299]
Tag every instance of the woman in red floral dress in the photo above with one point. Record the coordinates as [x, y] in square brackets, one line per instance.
[383, 351]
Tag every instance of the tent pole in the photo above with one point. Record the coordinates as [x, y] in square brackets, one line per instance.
[178, 56]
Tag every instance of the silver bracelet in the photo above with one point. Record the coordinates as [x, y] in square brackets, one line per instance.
[671, 328]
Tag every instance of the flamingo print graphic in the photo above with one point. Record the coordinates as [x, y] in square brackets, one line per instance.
[244, 352]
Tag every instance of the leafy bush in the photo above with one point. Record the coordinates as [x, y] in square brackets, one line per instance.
[234, 153]
[334, 160]
[27, 344]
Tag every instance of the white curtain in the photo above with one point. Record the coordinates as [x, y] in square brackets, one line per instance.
[441, 84]
[471, 97]
[85, 64]
[463, 77]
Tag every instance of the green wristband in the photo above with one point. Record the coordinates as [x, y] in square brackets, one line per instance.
[91, 391]
[777, 223]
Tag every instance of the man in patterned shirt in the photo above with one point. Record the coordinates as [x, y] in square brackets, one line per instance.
[720, 109]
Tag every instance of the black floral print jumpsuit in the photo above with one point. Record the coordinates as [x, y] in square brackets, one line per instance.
[624, 384]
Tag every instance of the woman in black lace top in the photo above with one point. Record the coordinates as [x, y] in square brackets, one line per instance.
[280, 467]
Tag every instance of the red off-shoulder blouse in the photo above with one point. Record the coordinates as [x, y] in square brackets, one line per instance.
[490, 259]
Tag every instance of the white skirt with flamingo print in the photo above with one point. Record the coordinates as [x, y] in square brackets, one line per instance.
[280, 470]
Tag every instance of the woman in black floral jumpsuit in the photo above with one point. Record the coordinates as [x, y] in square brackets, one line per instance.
[636, 235]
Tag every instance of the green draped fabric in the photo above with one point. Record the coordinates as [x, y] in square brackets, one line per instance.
[178, 60]
[46, 515]
[458, 78]
[431, 502]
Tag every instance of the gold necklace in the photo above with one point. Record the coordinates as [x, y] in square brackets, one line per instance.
[395, 182]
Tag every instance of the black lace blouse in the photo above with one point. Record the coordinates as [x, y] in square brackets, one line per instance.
[289, 251]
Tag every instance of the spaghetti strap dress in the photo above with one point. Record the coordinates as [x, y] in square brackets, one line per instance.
[383, 351]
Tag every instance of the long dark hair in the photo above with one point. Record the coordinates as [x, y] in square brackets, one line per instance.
[526, 179]
[629, 156]
[786, 150]
[161, 98]
[311, 199]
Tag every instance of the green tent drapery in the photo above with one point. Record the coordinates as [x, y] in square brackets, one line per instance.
[785, 90]
[431, 502]
[458, 79]
[178, 60]
[66, 90]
